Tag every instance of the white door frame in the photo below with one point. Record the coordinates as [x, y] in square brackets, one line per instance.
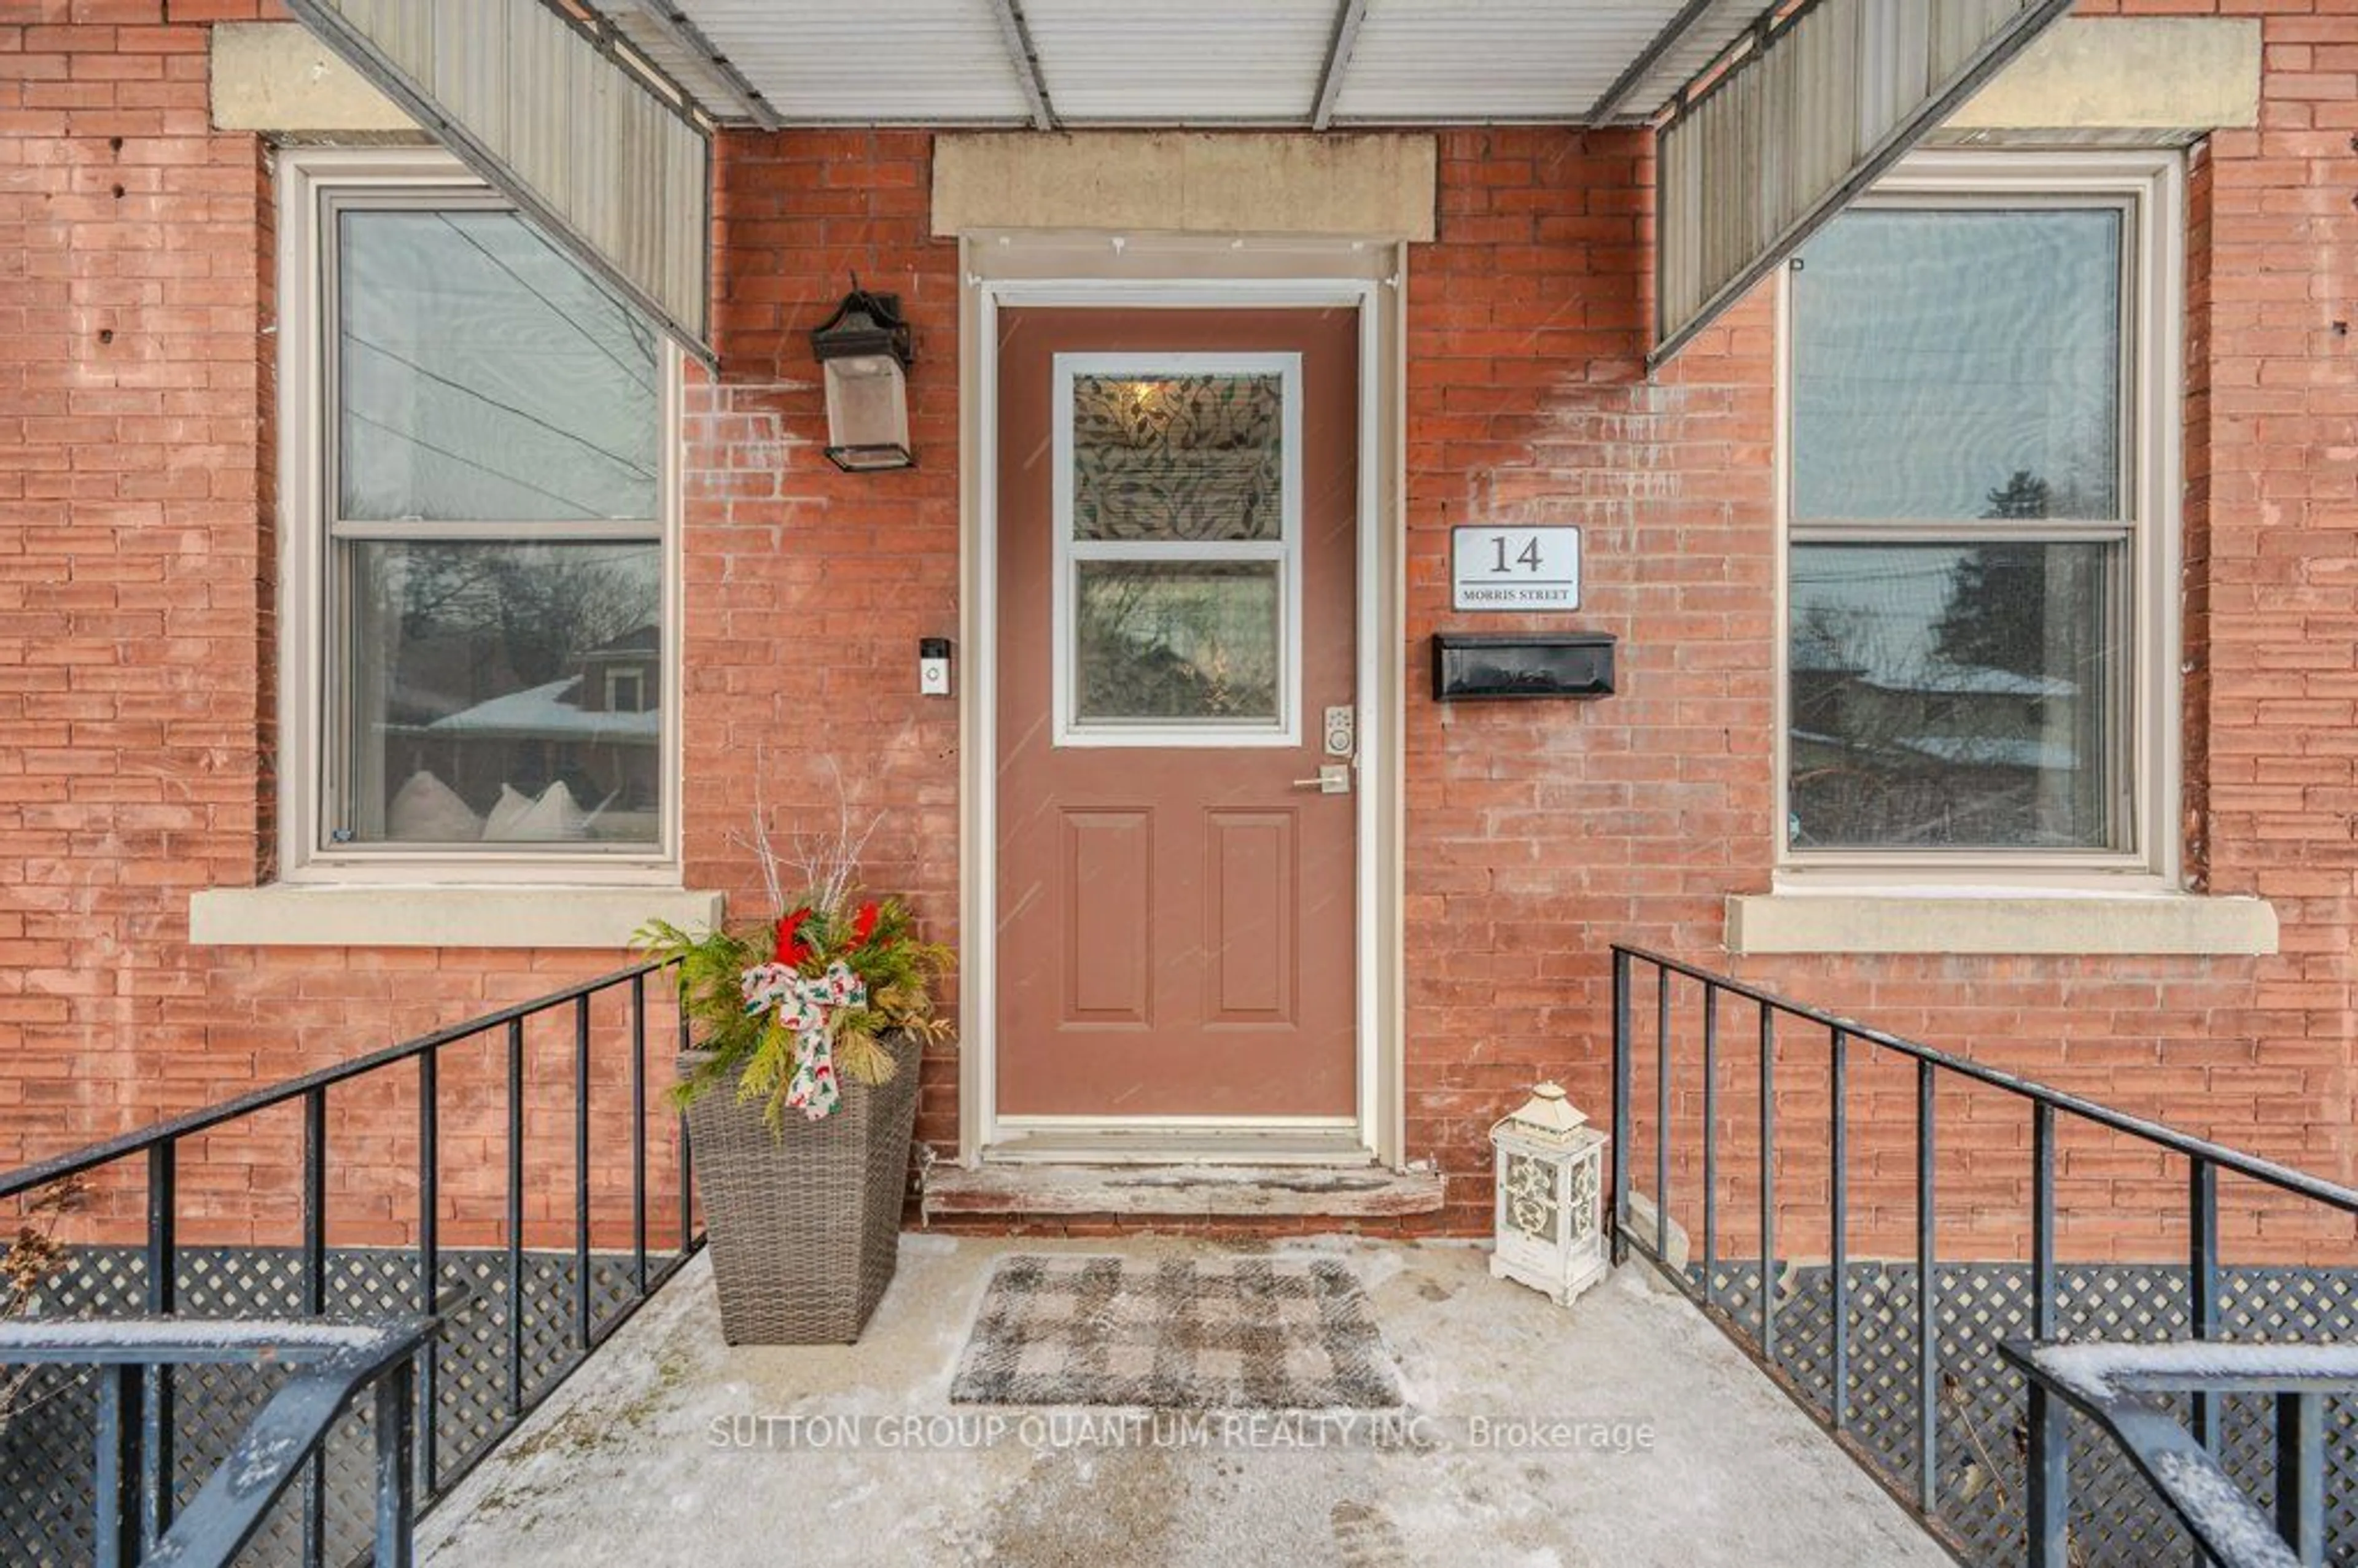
[1373, 1132]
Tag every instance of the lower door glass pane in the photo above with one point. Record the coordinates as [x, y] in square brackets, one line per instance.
[1176, 642]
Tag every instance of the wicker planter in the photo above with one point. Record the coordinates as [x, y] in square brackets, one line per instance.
[804, 1229]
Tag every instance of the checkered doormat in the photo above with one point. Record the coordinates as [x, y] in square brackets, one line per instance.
[1177, 1334]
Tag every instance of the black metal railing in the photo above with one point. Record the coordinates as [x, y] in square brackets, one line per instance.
[2117, 1387]
[327, 1365]
[513, 1276]
[1910, 1316]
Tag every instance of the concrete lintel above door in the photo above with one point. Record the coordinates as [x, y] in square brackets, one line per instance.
[1377, 185]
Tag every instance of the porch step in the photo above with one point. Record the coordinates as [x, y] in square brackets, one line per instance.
[1340, 1147]
[1182, 1191]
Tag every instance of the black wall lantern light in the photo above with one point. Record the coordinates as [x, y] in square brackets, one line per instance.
[864, 352]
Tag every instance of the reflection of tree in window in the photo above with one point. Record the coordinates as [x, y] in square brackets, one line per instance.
[490, 396]
[1957, 386]
[1194, 642]
[1944, 694]
[472, 678]
[525, 613]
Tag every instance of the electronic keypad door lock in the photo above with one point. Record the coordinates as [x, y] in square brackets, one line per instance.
[1335, 778]
[1342, 732]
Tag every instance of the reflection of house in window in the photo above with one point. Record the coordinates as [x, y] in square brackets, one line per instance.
[623, 672]
[1930, 752]
[595, 730]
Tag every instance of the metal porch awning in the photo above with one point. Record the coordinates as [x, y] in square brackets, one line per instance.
[1759, 157]
[596, 115]
[610, 157]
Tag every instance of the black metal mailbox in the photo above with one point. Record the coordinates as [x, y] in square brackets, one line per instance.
[1480, 664]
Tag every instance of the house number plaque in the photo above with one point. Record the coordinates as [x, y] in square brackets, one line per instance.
[1515, 568]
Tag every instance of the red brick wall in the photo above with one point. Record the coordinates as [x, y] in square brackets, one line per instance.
[1538, 833]
[807, 587]
[1535, 842]
[134, 564]
[136, 642]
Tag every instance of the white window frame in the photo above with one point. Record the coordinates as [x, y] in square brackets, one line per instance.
[308, 179]
[1070, 730]
[2150, 184]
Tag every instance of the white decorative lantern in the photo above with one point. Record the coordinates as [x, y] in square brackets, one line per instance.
[1550, 1232]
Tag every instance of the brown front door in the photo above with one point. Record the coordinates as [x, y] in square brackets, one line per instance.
[1178, 516]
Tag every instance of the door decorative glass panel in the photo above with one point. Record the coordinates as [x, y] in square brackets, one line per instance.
[1178, 547]
[1178, 457]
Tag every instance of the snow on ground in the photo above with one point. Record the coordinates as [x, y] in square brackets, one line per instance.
[1626, 1432]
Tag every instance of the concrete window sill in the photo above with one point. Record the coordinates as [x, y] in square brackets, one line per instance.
[384, 917]
[1998, 920]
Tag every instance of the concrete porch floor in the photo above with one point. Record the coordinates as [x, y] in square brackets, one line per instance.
[645, 1455]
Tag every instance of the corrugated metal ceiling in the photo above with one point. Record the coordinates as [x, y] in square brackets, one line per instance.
[1501, 60]
[537, 97]
[1716, 26]
[1208, 60]
[872, 62]
[689, 70]
[1120, 63]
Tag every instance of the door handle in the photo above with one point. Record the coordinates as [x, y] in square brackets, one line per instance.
[1335, 778]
